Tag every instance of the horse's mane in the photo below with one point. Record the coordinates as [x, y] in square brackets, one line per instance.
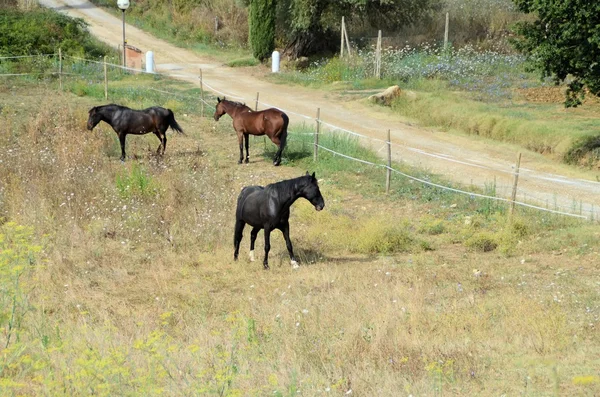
[234, 103]
[288, 184]
[110, 105]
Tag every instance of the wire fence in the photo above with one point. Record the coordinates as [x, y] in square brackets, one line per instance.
[583, 213]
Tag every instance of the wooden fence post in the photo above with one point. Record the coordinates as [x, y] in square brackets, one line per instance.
[342, 39]
[256, 109]
[513, 196]
[347, 41]
[316, 149]
[60, 68]
[201, 95]
[378, 57]
[388, 176]
[446, 30]
[105, 80]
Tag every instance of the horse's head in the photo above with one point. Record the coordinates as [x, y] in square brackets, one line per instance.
[310, 191]
[94, 118]
[220, 108]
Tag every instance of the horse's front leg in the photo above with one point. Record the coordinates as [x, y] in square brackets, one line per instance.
[122, 142]
[285, 229]
[267, 247]
[241, 143]
[247, 139]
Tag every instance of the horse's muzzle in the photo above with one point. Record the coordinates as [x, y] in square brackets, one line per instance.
[319, 206]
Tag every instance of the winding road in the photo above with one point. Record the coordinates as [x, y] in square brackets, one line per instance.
[467, 160]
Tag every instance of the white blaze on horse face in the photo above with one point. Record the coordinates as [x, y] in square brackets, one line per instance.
[294, 264]
[251, 256]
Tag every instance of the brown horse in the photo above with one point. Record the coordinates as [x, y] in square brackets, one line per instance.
[270, 122]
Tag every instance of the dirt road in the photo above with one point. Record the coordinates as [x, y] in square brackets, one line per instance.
[467, 160]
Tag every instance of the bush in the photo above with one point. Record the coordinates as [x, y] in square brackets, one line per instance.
[44, 32]
[482, 242]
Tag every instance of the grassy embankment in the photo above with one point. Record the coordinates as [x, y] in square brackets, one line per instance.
[121, 280]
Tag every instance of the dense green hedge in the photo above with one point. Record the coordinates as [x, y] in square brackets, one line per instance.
[43, 32]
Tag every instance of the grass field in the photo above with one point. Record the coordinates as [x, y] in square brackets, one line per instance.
[118, 278]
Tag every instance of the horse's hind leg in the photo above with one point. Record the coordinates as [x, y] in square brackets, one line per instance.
[280, 142]
[246, 140]
[163, 143]
[253, 235]
[237, 237]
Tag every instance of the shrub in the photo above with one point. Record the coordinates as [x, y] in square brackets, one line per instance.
[44, 32]
[482, 242]
[375, 238]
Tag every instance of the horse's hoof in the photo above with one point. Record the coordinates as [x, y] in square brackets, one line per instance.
[265, 267]
[240, 162]
[276, 163]
[294, 264]
[246, 161]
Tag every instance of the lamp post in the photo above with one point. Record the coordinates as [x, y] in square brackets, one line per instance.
[123, 5]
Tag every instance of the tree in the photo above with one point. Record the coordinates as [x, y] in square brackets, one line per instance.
[262, 28]
[564, 42]
[313, 25]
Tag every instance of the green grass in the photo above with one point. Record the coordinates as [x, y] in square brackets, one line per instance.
[241, 62]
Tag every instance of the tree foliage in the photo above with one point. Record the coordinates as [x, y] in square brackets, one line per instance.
[564, 42]
[312, 25]
[262, 28]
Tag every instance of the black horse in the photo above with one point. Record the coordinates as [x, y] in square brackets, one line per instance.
[269, 208]
[138, 122]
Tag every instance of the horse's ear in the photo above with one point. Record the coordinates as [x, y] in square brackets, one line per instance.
[313, 176]
[306, 173]
[218, 100]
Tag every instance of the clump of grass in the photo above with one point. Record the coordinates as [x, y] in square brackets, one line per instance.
[432, 226]
[135, 181]
[373, 237]
[482, 242]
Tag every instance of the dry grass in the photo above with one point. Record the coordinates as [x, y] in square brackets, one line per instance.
[135, 290]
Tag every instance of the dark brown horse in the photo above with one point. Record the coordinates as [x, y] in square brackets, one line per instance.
[138, 122]
[268, 208]
[270, 122]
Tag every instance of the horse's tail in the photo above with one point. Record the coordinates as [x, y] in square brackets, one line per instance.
[172, 123]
